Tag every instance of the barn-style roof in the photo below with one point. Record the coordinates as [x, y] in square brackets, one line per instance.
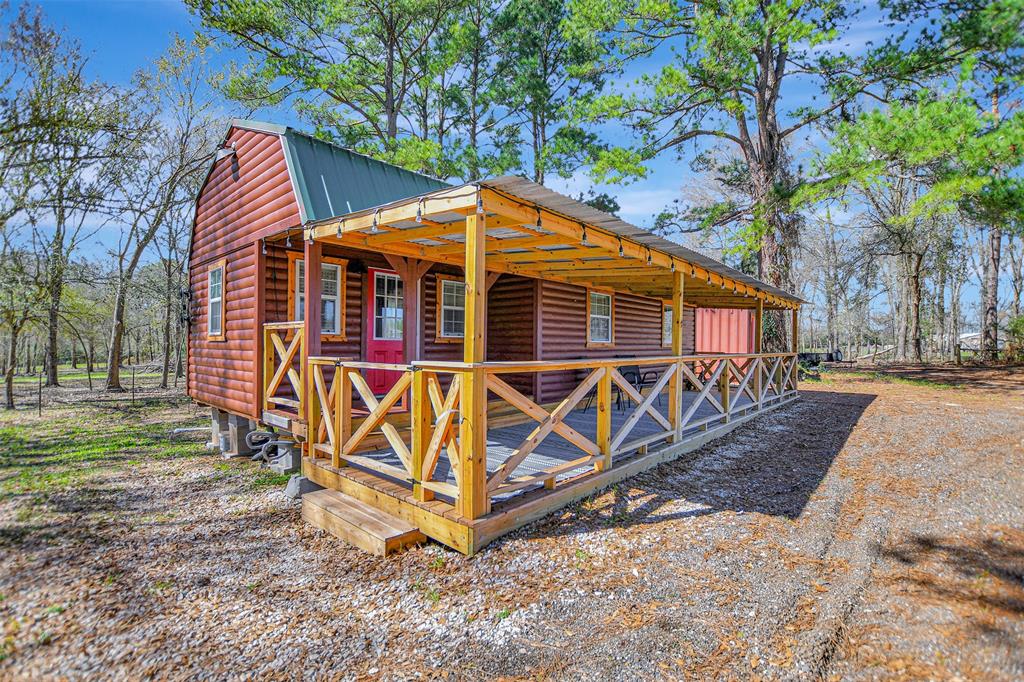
[331, 181]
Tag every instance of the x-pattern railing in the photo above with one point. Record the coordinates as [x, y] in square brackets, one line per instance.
[280, 362]
[717, 388]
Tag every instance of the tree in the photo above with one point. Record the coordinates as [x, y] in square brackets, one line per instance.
[162, 174]
[348, 67]
[914, 165]
[729, 64]
[544, 71]
[74, 128]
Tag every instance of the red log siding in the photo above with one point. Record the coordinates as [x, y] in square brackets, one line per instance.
[511, 305]
[244, 196]
[563, 333]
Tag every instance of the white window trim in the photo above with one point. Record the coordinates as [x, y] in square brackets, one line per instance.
[218, 333]
[299, 295]
[610, 317]
[667, 315]
[444, 308]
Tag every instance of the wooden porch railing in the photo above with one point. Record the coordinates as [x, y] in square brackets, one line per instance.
[730, 385]
[282, 361]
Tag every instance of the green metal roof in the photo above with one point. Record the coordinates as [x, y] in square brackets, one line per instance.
[331, 181]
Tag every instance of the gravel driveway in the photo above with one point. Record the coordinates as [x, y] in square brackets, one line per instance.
[871, 530]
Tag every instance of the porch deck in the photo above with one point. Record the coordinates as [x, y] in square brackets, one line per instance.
[555, 451]
[534, 458]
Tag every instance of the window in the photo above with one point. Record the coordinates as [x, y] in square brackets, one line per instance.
[600, 318]
[451, 308]
[666, 325]
[215, 304]
[332, 294]
[388, 307]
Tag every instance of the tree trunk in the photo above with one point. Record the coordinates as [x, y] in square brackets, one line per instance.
[12, 364]
[168, 311]
[52, 324]
[915, 307]
[116, 339]
[990, 302]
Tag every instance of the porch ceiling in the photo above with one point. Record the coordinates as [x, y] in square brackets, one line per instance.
[535, 232]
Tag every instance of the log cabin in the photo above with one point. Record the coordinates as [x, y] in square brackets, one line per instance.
[454, 361]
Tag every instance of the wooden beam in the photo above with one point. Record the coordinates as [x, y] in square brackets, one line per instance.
[439, 202]
[796, 330]
[474, 500]
[312, 283]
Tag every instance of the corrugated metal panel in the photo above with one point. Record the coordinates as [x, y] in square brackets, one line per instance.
[333, 181]
[723, 330]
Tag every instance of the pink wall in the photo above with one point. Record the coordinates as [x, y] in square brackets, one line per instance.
[722, 330]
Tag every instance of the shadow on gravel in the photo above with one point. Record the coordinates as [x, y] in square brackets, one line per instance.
[975, 560]
[771, 466]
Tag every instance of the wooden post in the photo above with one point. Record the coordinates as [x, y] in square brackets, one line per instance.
[474, 500]
[312, 284]
[421, 432]
[758, 365]
[260, 316]
[675, 386]
[604, 420]
[268, 366]
[723, 387]
[342, 413]
[796, 330]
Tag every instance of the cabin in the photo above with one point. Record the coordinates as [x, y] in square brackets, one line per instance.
[455, 361]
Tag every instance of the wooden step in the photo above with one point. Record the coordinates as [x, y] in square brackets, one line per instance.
[357, 523]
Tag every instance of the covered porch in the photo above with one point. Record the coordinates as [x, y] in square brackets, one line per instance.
[460, 448]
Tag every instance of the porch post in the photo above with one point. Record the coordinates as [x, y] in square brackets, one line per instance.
[675, 391]
[474, 500]
[312, 283]
[758, 363]
[796, 330]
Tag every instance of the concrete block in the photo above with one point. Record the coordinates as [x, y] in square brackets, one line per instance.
[299, 485]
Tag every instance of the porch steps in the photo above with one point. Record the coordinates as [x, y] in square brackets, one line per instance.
[359, 524]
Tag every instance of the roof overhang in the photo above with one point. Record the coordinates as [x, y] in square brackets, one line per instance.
[536, 232]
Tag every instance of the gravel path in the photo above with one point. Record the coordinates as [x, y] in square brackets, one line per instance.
[871, 530]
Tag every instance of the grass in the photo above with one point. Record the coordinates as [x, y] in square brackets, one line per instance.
[61, 450]
[828, 377]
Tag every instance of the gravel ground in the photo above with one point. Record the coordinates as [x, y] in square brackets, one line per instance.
[871, 530]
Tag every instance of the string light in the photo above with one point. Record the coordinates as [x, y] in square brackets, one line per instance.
[288, 239]
[693, 272]
[649, 260]
[264, 240]
[373, 227]
[419, 210]
[479, 201]
[539, 225]
[673, 268]
[341, 227]
[621, 252]
[584, 242]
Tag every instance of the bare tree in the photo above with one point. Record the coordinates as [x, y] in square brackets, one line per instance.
[163, 175]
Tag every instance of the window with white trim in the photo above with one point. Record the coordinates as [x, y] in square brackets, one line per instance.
[666, 325]
[600, 323]
[332, 295]
[215, 305]
[452, 304]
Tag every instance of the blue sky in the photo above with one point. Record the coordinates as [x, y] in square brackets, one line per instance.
[120, 36]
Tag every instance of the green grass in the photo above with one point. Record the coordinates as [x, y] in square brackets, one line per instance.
[44, 456]
[892, 379]
[268, 479]
[81, 375]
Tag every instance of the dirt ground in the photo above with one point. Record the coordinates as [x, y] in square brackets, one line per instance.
[874, 529]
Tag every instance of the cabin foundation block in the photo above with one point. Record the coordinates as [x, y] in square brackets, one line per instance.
[298, 485]
[218, 428]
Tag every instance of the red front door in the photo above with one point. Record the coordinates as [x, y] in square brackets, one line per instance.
[385, 308]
